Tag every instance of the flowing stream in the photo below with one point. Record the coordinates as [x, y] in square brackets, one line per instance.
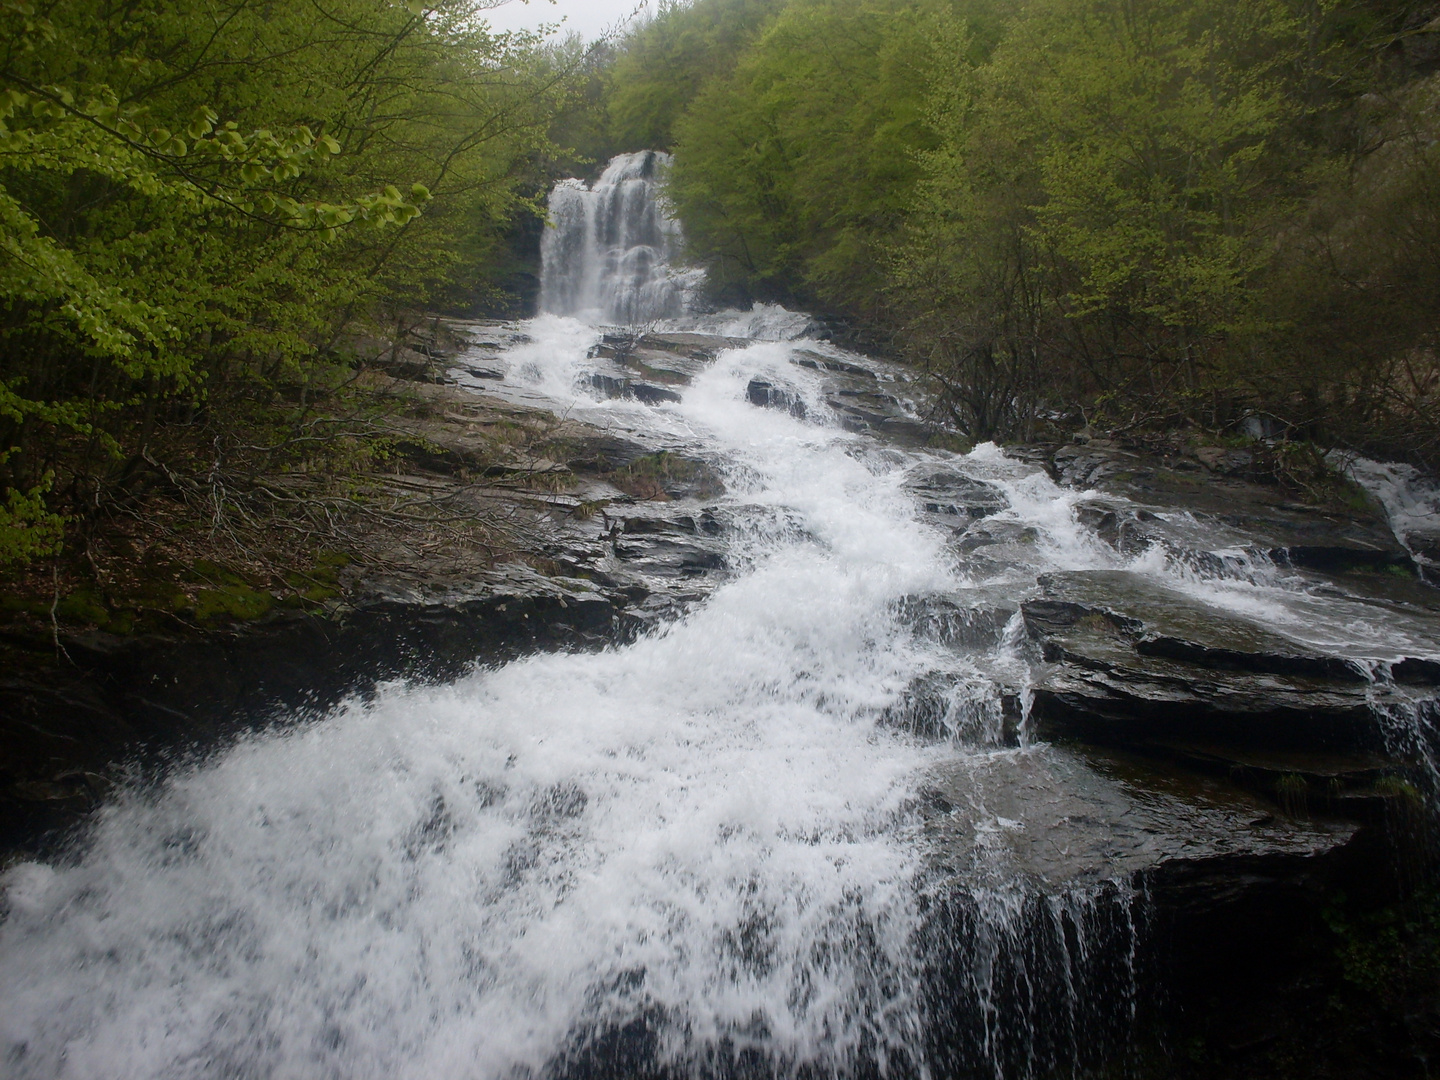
[701, 852]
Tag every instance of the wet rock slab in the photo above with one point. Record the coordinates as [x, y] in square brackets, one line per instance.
[1232, 510]
[1064, 888]
[1128, 658]
[117, 700]
[951, 499]
[655, 367]
[611, 539]
[1063, 819]
[1128, 662]
[669, 359]
[968, 620]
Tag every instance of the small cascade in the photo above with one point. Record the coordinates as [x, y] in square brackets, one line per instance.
[608, 259]
[1411, 500]
[1027, 984]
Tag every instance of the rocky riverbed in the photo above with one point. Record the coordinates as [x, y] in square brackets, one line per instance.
[1205, 757]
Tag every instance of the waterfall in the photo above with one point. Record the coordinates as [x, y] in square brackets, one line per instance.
[695, 855]
[1411, 501]
[608, 257]
[797, 829]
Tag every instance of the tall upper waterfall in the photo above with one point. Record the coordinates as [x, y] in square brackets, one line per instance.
[608, 257]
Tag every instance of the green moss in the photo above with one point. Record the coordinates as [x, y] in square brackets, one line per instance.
[1351, 496]
[1367, 567]
[563, 450]
[1166, 480]
[645, 477]
[82, 606]
[213, 573]
[316, 583]
[305, 595]
[1395, 787]
[1394, 953]
[314, 588]
[508, 433]
[239, 603]
[16, 605]
[589, 508]
[159, 590]
[1293, 792]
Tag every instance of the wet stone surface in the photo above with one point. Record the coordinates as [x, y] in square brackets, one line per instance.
[635, 534]
[1232, 511]
[1060, 817]
[1234, 685]
[951, 499]
[1131, 661]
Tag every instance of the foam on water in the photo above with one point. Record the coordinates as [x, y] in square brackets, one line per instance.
[1411, 498]
[1247, 584]
[702, 828]
[710, 831]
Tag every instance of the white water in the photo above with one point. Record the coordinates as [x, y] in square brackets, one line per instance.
[609, 254]
[1410, 498]
[709, 829]
[453, 882]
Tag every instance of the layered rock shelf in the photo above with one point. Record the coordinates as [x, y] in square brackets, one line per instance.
[1152, 741]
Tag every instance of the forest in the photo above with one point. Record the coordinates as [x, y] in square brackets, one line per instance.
[1120, 213]
[1124, 214]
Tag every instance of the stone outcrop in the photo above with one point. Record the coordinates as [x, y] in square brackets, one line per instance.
[1231, 506]
[602, 537]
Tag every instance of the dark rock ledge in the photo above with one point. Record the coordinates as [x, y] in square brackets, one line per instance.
[602, 538]
[1227, 799]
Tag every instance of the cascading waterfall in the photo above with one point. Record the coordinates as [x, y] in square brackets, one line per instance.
[703, 828]
[1410, 498]
[608, 257]
[698, 854]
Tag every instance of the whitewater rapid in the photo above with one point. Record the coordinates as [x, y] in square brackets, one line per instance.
[707, 840]
[706, 826]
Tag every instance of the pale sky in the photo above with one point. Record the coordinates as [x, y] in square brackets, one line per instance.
[588, 18]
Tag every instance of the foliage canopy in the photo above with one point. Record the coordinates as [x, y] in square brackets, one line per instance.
[1169, 208]
[197, 199]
